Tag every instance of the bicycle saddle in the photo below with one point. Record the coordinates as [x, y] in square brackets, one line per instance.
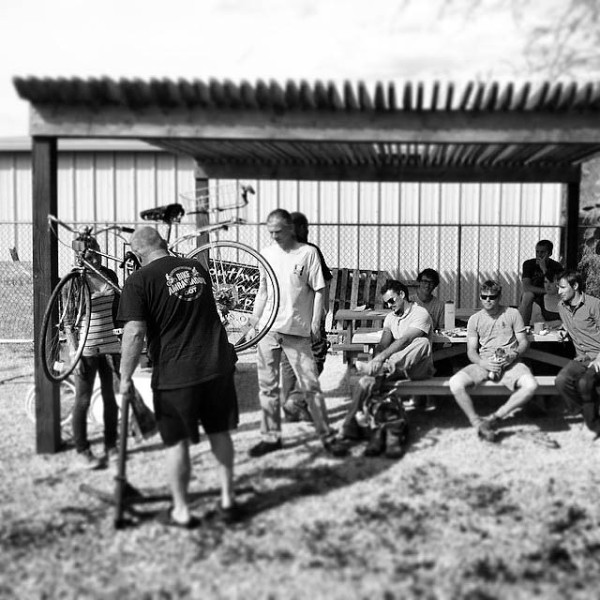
[168, 214]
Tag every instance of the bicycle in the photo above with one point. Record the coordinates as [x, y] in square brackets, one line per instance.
[234, 269]
[66, 320]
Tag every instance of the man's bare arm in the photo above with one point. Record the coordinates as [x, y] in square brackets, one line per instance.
[134, 334]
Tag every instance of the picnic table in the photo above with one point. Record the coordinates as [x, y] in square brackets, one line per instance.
[454, 343]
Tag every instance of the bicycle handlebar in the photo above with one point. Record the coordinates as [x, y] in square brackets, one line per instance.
[88, 230]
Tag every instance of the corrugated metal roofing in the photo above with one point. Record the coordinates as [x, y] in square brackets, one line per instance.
[473, 97]
[325, 131]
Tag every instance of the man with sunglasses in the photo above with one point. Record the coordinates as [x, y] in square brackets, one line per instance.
[404, 352]
[496, 339]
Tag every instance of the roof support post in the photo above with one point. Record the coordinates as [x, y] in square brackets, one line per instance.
[572, 226]
[45, 277]
[202, 203]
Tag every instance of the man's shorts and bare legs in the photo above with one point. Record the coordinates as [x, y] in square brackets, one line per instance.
[178, 413]
[298, 352]
[413, 362]
[528, 299]
[516, 377]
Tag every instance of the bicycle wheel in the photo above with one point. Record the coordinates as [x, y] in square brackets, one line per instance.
[67, 402]
[234, 270]
[65, 326]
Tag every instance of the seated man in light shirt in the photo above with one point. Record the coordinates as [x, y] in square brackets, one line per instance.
[496, 341]
[404, 351]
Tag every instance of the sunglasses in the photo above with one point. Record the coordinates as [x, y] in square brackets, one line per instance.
[488, 296]
[427, 282]
[390, 301]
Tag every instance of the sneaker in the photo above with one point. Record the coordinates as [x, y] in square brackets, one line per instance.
[430, 404]
[111, 455]
[232, 514]
[395, 439]
[335, 446]
[87, 460]
[376, 444]
[410, 403]
[485, 430]
[354, 431]
[263, 448]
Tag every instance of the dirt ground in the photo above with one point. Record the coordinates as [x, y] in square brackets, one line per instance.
[454, 518]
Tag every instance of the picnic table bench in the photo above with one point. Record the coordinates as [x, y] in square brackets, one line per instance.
[440, 386]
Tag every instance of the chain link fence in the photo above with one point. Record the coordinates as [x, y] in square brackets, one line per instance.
[464, 255]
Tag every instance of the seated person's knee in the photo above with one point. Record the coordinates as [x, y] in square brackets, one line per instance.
[457, 383]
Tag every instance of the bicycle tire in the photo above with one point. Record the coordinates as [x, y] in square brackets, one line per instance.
[67, 402]
[234, 269]
[69, 308]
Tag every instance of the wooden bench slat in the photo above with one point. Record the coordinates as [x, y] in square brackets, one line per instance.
[439, 386]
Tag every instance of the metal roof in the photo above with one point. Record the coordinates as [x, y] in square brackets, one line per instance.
[300, 130]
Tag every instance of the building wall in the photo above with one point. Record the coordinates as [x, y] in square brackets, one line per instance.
[465, 231]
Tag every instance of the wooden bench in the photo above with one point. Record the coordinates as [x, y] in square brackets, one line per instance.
[440, 386]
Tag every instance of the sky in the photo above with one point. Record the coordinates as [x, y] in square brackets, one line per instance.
[329, 40]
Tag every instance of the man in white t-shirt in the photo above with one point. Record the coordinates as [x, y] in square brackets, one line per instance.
[496, 339]
[404, 351]
[301, 288]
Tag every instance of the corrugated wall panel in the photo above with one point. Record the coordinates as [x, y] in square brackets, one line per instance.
[438, 225]
[84, 188]
[490, 204]
[369, 206]
[470, 200]
[105, 188]
[450, 203]
[430, 203]
[23, 187]
[509, 205]
[126, 188]
[390, 202]
[329, 197]
[409, 203]
[8, 196]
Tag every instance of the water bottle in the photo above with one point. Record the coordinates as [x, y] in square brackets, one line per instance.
[449, 315]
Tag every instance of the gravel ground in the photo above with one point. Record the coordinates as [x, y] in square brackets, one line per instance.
[454, 518]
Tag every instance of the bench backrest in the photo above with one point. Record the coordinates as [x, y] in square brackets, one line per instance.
[351, 288]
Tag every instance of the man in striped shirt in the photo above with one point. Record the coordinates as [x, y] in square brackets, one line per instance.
[101, 355]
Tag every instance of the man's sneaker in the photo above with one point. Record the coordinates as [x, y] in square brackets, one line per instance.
[111, 455]
[353, 431]
[430, 404]
[485, 430]
[335, 446]
[263, 448]
[376, 444]
[87, 460]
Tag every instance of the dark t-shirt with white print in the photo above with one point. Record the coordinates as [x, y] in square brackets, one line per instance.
[186, 341]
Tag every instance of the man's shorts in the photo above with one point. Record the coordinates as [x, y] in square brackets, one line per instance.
[509, 377]
[212, 403]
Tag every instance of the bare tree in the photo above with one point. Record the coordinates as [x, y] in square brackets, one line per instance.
[563, 42]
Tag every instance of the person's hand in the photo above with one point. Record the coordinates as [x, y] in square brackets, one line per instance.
[595, 364]
[125, 386]
[374, 365]
[542, 263]
[315, 329]
[249, 329]
[491, 365]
